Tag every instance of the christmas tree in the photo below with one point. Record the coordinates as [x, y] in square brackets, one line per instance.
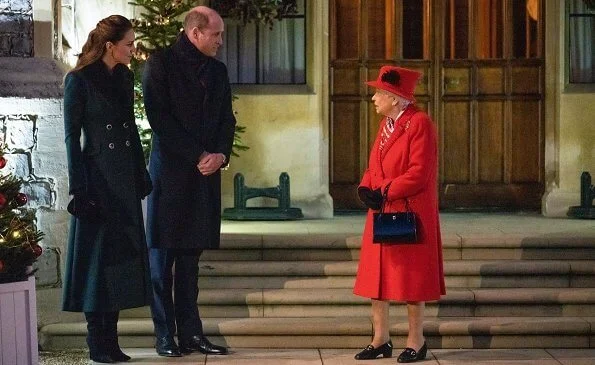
[19, 237]
[158, 26]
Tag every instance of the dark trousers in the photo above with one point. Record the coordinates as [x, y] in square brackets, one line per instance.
[180, 310]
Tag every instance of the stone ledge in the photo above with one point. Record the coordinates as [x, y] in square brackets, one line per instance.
[535, 296]
[345, 296]
[338, 326]
[348, 268]
[497, 240]
[310, 240]
[276, 282]
[449, 240]
[30, 78]
[504, 268]
[37, 106]
[277, 268]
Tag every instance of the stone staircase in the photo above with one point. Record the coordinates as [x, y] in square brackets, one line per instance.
[295, 291]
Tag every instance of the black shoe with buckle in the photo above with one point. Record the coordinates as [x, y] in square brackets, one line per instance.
[370, 352]
[166, 346]
[410, 355]
[201, 344]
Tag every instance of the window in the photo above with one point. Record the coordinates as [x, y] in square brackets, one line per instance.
[256, 54]
[581, 45]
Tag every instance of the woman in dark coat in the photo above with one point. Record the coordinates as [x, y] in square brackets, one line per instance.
[107, 264]
[403, 164]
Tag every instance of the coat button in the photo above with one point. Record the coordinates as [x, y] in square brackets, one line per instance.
[127, 143]
[126, 125]
[108, 127]
[111, 146]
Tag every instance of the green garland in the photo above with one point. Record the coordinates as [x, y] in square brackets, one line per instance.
[263, 11]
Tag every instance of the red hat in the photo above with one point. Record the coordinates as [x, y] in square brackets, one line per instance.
[397, 80]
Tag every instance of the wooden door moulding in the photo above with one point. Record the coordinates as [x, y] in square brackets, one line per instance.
[495, 197]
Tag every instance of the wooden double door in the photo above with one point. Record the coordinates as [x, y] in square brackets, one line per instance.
[482, 84]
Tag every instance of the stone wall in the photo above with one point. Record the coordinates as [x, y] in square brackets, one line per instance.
[32, 128]
[16, 28]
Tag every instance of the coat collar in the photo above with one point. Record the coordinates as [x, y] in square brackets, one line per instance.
[401, 125]
[192, 62]
[187, 51]
[113, 86]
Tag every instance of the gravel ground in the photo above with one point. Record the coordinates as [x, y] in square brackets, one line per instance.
[63, 358]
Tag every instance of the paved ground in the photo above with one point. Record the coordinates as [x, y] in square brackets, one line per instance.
[345, 357]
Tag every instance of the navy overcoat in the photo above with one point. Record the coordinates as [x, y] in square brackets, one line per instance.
[188, 103]
[106, 264]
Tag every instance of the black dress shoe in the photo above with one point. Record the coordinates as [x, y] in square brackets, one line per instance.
[201, 344]
[166, 346]
[410, 355]
[370, 352]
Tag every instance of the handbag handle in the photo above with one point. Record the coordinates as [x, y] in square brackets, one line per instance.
[385, 199]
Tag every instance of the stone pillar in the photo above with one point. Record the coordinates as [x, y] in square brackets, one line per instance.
[44, 31]
[569, 132]
[16, 28]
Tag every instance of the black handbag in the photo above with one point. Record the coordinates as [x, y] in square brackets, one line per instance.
[394, 228]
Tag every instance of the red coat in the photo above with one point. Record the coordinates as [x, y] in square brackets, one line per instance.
[409, 162]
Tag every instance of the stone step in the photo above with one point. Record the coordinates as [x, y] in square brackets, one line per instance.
[320, 247]
[340, 274]
[537, 302]
[352, 332]
[349, 268]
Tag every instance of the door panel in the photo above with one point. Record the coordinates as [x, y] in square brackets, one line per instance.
[490, 80]
[526, 141]
[490, 142]
[345, 44]
[456, 81]
[456, 148]
[373, 123]
[526, 80]
[379, 19]
[456, 29]
[345, 147]
[345, 81]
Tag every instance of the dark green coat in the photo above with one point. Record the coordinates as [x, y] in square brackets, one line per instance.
[106, 264]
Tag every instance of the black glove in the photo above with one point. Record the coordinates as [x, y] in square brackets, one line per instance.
[371, 198]
[82, 207]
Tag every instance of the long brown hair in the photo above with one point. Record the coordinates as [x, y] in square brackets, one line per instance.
[110, 29]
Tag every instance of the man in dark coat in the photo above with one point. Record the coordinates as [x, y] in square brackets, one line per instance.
[188, 103]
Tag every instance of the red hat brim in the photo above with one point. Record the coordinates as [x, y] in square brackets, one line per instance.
[381, 86]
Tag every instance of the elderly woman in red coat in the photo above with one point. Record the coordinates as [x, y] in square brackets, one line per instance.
[403, 163]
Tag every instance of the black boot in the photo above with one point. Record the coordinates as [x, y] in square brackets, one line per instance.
[110, 322]
[96, 338]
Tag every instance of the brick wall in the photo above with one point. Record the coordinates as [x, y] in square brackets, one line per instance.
[16, 28]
